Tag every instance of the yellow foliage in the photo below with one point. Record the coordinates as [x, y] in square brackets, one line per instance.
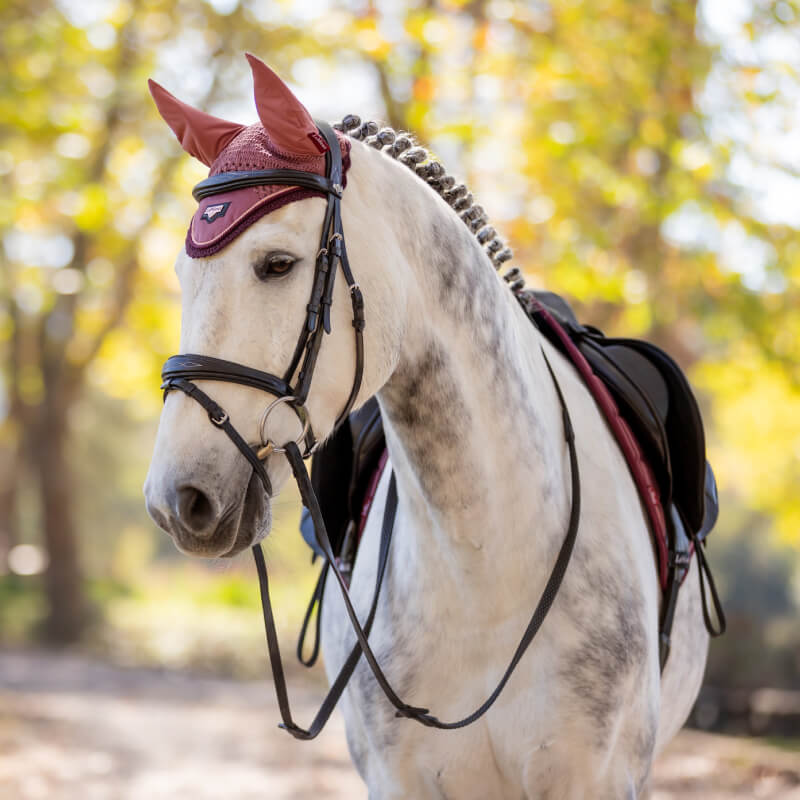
[586, 113]
[370, 39]
[755, 441]
[92, 213]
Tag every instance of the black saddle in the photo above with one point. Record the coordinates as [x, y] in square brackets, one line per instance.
[655, 399]
[653, 396]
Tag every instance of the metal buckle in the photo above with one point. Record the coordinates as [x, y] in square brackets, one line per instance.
[268, 447]
[218, 422]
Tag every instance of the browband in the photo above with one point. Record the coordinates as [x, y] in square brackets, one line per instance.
[230, 181]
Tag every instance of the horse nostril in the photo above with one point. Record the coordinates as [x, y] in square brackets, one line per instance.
[195, 510]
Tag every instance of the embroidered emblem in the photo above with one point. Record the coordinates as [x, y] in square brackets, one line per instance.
[215, 212]
[318, 142]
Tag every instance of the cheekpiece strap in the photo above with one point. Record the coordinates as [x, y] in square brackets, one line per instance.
[220, 419]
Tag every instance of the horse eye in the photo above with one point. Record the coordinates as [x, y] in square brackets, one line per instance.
[274, 264]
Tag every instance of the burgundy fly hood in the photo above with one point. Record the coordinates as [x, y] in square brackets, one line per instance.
[285, 138]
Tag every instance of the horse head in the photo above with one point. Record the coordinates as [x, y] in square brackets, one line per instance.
[259, 289]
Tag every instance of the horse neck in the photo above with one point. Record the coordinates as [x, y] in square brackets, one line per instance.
[472, 420]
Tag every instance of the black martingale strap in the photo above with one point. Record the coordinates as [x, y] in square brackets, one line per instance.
[403, 709]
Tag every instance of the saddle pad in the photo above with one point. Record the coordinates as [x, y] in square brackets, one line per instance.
[345, 467]
[655, 399]
[640, 470]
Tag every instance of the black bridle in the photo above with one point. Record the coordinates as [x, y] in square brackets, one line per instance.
[181, 371]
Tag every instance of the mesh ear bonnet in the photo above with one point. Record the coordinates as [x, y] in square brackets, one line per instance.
[220, 218]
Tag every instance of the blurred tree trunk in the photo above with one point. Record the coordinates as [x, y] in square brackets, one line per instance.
[9, 471]
[45, 418]
[41, 408]
[10, 454]
[48, 438]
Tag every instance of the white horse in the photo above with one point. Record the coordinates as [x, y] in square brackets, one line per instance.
[475, 437]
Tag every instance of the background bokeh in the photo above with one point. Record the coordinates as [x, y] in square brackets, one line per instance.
[642, 158]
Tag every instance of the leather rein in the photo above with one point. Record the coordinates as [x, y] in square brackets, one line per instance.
[180, 372]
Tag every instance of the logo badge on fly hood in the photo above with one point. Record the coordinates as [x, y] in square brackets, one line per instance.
[215, 212]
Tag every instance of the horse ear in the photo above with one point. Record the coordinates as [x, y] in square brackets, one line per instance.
[285, 119]
[200, 134]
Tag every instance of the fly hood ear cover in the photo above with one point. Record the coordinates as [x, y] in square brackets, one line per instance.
[286, 138]
[289, 126]
[200, 134]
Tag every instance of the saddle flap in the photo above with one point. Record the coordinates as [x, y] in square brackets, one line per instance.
[685, 436]
[330, 476]
[369, 442]
[341, 470]
[641, 394]
[647, 379]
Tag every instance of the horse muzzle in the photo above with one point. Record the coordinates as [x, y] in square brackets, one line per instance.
[202, 523]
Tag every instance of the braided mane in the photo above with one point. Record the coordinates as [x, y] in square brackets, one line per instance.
[402, 148]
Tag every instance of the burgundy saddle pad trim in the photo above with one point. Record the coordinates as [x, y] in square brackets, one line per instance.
[640, 470]
[369, 497]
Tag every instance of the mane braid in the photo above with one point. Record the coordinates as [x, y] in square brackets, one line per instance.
[402, 148]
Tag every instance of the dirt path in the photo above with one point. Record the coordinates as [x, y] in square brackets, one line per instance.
[76, 729]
